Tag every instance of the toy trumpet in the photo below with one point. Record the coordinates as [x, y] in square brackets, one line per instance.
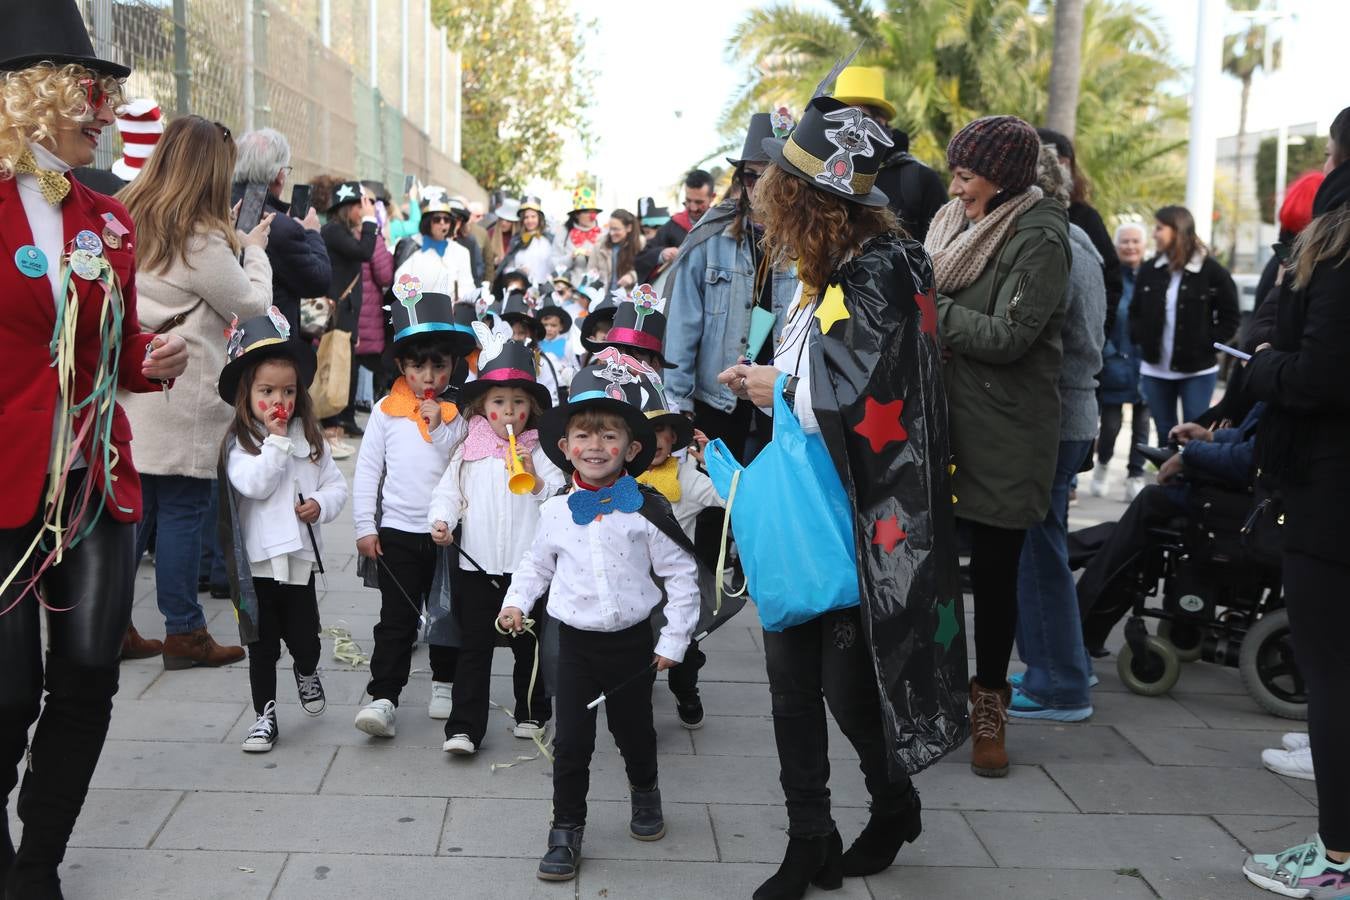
[520, 482]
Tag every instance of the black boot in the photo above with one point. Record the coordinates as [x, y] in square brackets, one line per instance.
[888, 828]
[807, 861]
[14, 722]
[647, 823]
[563, 858]
[65, 751]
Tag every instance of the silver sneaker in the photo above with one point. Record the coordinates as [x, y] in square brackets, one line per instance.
[377, 719]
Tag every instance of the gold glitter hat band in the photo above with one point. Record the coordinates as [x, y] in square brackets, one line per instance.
[812, 166]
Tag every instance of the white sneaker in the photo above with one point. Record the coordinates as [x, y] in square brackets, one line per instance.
[439, 707]
[527, 729]
[1134, 487]
[377, 719]
[1290, 763]
[1294, 740]
[460, 745]
[1100, 481]
[340, 449]
[262, 737]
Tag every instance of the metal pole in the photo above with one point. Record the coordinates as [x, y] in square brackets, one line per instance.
[403, 72]
[426, 66]
[374, 29]
[445, 105]
[182, 72]
[249, 98]
[1203, 148]
[326, 22]
[457, 123]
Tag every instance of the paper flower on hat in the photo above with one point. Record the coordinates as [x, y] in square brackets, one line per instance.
[279, 320]
[408, 290]
[782, 122]
[619, 295]
[234, 338]
[647, 302]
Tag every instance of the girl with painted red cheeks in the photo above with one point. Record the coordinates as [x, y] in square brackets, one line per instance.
[497, 517]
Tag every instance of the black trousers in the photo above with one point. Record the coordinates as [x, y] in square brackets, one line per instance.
[1112, 417]
[1319, 620]
[591, 662]
[995, 554]
[477, 604]
[825, 660]
[683, 678]
[286, 612]
[411, 558]
[92, 587]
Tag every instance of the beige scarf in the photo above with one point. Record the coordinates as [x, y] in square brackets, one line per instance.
[960, 253]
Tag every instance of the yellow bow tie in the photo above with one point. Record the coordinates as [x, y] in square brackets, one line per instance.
[665, 478]
[55, 185]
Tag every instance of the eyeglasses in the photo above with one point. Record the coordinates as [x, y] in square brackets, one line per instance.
[748, 177]
[440, 219]
[224, 132]
[93, 93]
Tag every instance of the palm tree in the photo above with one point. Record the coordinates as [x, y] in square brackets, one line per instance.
[951, 61]
[1244, 53]
[1066, 66]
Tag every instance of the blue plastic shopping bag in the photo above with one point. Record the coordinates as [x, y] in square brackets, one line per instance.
[792, 521]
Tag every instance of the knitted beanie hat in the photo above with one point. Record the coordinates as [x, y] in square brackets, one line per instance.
[1003, 149]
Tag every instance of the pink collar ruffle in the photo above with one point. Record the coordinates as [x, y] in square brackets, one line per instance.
[483, 442]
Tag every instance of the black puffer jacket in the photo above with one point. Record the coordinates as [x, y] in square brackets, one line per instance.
[1207, 311]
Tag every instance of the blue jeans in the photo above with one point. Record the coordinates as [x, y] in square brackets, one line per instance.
[175, 506]
[1049, 632]
[212, 568]
[1161, 394]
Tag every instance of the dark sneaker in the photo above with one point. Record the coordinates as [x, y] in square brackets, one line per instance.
[563, 858]
[310, 689]
[647, 824]
[690, 711]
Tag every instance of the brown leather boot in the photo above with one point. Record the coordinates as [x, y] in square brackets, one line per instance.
[197, 648]
[988, 720]
[136, 647]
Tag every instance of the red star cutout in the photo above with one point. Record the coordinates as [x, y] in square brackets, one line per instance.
[887, 533]
[881, 423]
[927, 313]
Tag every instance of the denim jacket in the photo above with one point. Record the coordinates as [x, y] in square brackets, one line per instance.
[708, 319]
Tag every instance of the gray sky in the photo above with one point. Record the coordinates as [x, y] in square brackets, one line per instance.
[657, 59]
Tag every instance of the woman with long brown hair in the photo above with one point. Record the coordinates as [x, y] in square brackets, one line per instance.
[191, 284]
[614, 257]
[858, 366]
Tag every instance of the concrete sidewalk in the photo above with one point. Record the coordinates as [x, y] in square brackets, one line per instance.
[1153, 797]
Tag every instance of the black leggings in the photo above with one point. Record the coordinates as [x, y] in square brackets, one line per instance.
[994, 557]
[288, 612]
[1319, 618]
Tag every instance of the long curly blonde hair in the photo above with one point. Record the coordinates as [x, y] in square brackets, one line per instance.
[35, 102]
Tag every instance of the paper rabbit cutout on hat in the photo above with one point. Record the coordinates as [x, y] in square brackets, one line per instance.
[491, 340]
[853, 137]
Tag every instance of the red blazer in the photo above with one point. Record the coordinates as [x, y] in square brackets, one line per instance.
[28, 383]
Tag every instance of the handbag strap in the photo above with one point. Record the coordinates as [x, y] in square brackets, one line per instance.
[722, 547]
[174, 321]
[350, 287]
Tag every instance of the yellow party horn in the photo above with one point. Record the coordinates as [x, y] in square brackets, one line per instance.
[520, 482]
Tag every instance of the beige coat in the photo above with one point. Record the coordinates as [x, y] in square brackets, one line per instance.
[181, 436]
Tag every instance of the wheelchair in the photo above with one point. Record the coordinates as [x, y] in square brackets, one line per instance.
[1213, 602]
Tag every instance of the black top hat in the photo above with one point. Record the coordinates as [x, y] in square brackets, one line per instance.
[836, 148]
[753, 148]
[504, 362]
[600, 314]
[640, 322]
[553, 309]
[516, 308]
[415, 312]
[613, 388]
[345, 192]
[258, 338]
[658, 414]
[49, 31]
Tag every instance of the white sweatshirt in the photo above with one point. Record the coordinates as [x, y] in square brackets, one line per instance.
[411, 467]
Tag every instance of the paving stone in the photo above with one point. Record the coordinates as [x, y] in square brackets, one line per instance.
[520, 829]
[134, 677]
[1200, 746]
[1266, 834]
[1233, 712]
[326, 876]
[1175, 789]
[1027, 789]
[169, 875]
[753, 736]
[1217, 880]
[734, 666]
[209, 767]
[966, 883]
[174, 720]
[742, 634]
[754, 834]
[304, 822]
[628, 880]
[1051, 742]
[120, 818]
[1113, 708]
[231, 682]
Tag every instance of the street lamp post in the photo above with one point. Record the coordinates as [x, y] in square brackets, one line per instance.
[1203, 148]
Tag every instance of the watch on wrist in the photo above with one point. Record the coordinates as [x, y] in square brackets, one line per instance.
[790, 390]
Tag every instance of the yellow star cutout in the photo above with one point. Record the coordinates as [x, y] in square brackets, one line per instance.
[832, 308]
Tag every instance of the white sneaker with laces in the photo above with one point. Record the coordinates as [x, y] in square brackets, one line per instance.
[527, 729]
[460, 745]
[377, 719]
[439, 707]
[262, 737]
[1101, 481]
[1294, 740]
[1290, 763]
[1134, 487]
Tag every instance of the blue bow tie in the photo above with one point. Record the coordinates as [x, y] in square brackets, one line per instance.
[622, 496]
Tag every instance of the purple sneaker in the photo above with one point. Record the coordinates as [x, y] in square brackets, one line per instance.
[1301, 871]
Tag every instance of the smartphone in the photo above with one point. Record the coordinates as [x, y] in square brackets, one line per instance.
[408, 182]
[1281, 252]
[300, 200]
[251, 209]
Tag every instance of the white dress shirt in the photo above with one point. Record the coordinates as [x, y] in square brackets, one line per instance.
[696, 494]
[498, 525]
[411, 467]
[599, 575]
[793, 356]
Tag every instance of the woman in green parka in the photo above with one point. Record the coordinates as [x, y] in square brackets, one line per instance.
[1000, 253]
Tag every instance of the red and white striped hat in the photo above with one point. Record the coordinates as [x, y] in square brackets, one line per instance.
[140, 124]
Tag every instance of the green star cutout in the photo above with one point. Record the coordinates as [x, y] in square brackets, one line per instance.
[947, 629]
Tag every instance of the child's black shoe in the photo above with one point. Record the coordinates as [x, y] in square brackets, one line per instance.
[563, 858]
[310, 688]
[690, 711]
[807, 861]
[647, 824]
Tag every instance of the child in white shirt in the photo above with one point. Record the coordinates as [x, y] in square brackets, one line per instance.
[279, 485]
[596, 553]
[497, 526]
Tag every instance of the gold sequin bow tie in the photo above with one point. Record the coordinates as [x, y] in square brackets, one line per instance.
[54, 185]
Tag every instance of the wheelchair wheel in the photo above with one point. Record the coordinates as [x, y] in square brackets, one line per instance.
[1186, 638]
[1268, 670]
[1153, 673]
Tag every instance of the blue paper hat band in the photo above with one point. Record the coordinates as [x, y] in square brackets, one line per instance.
[428, 327]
